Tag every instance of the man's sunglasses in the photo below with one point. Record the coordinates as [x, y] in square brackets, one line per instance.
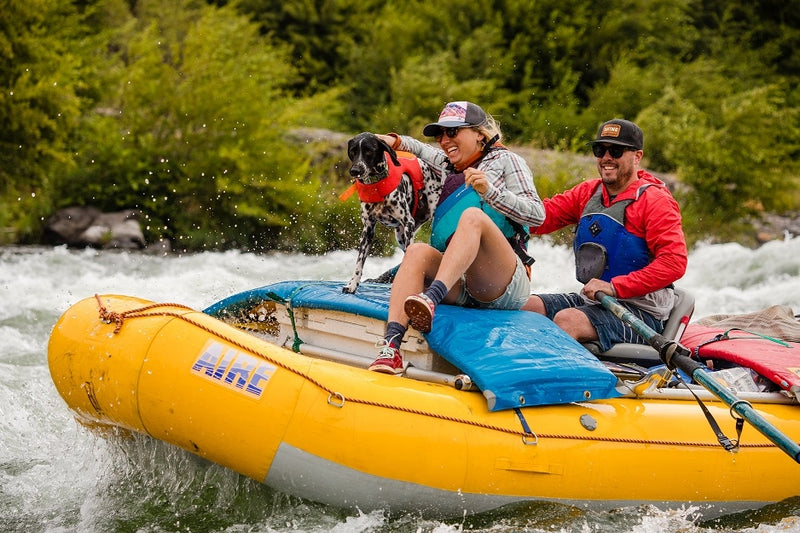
[450, 132]
[615, 150]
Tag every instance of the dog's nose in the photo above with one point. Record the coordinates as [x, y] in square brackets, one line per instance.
[356, 172]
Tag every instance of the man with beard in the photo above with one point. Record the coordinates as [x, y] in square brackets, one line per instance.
[629, 243]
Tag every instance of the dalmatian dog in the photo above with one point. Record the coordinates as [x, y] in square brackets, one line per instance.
[396, 190]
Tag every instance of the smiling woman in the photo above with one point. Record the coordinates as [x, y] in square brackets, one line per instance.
[478, 252]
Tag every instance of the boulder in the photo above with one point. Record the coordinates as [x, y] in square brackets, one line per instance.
[89, 227]
[66, 225]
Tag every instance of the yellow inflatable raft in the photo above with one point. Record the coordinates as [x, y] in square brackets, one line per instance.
[336, 433]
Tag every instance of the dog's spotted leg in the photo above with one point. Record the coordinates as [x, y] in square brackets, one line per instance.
[405, 234]
[367, 234]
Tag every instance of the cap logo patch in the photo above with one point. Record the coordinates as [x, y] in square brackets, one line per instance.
[454, 111]
[611, 130]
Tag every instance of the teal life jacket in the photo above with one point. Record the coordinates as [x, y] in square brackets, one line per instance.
[603, 247]
[455, 199]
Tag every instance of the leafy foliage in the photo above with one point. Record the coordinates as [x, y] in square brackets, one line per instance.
[40, 103]
[201, 105]
[192, 117]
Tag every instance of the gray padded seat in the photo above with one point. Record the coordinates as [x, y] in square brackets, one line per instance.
[643, 354]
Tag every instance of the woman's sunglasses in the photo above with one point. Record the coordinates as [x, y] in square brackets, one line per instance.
[450, 132]
[615, 150]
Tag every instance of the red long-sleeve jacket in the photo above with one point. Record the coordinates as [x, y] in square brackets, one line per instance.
[655, 217]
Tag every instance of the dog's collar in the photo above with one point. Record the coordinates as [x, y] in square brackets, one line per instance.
[381, 174]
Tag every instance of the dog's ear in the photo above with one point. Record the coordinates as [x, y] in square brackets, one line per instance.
[351, 144]
[389, 150]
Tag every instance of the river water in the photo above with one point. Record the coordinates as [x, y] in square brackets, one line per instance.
[56, 476]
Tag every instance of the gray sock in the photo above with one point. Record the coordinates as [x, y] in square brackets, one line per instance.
[394, 334]
[436, 292]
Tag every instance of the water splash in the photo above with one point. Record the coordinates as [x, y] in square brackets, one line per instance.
[57, 476]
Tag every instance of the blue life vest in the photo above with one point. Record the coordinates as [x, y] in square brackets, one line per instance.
[452, 204]
[603, 247]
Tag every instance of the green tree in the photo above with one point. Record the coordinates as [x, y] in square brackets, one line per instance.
[320, 34]
[737, 165]
[195, 136]
[40, 104]
[191, 116]
[420, 54]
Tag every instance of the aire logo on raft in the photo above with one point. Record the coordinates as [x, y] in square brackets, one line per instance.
[237, 370]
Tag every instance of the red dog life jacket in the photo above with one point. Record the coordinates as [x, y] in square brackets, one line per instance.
[377, 192]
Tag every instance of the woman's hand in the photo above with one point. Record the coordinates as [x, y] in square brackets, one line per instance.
[388, 139]
[476, 179]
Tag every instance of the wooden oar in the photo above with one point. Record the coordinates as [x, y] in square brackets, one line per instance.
[675, 355]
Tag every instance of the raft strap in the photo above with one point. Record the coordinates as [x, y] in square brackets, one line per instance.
[725, 441]
[726, 336]
[527, 429]
[289, 311]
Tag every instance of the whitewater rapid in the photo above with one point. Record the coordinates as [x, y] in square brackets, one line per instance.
[57, 476]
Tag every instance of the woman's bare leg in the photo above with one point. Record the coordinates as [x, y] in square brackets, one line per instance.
[480, 250]
[417, 269]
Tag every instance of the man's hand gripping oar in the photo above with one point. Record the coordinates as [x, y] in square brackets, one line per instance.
[675, 355]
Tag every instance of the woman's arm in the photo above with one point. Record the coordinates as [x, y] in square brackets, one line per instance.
[435, 157]
[510, 188]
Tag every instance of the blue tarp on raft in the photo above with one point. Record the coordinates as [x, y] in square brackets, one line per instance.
[517, 358]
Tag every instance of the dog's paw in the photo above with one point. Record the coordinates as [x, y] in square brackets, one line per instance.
[350, 288]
